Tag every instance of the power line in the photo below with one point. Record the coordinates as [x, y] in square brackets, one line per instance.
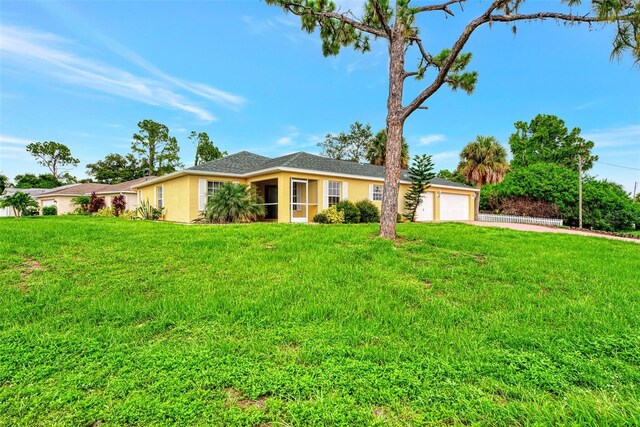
[618, 166]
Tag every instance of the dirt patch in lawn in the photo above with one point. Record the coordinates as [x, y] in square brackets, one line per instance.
[29, 266]
[235, 397]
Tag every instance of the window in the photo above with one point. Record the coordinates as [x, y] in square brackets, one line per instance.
[295, 196]
[213, 186]
[334, 192]
[376, 192]
[160, 196]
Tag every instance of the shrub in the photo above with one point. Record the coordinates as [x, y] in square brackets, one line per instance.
[330, 216]
[350, 211]
[96, 203]
[119, 204]
[105, 212]
[50, 210]
[129, 215]
[234, 203]
[148, 212]
[368, 211]
[81, 203]
[526, 206]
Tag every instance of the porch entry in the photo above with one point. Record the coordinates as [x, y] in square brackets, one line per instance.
[304, 201]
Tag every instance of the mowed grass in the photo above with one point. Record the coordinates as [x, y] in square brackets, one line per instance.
[115, 322]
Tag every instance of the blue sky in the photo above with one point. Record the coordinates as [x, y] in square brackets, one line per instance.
[84, 73]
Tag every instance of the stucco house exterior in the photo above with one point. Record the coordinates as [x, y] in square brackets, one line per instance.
[62, 196]
[297, 186]
[33, 192]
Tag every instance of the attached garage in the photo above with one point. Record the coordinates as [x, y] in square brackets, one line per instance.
[425, 208]
[454, 207]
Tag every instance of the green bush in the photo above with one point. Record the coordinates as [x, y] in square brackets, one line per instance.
[330, 216]
[350, 211]
[368, 211]
[50, 210]
[606, 206]
[234, 203]
[105, 212]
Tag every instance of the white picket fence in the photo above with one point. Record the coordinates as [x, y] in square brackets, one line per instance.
[519, 219]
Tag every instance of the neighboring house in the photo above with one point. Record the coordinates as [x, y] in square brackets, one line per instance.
[124, 188]
[33, 192]
[62, 197]
[297, 186]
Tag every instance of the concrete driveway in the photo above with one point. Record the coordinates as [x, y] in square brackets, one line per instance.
[544, 229]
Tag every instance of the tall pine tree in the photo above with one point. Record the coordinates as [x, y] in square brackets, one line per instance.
[421, 173]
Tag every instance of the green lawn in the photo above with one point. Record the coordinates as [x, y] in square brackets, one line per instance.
[115, 322]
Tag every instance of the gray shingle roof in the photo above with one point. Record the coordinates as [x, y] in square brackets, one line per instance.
[239, 163]
[246, 162]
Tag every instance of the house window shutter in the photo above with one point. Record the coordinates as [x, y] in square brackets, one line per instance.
[345, 190]
[202, 194]
[325, 194]
[371, 192]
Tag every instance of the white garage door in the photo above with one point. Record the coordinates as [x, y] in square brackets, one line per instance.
[454, 207]
[424, 212]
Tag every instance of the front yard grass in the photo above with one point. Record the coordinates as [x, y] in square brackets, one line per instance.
[114, 322]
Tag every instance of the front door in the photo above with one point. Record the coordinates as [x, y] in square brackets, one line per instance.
[299, 200]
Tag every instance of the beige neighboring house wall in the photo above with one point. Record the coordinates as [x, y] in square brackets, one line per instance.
[62, 197]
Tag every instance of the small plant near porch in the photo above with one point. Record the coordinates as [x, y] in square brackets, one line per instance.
[234, 203]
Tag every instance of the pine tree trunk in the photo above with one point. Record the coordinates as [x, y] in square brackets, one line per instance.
[395, 125]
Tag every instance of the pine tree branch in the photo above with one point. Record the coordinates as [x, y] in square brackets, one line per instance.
[486, 17]
[381, 17]
[301, 10]
[435, 7]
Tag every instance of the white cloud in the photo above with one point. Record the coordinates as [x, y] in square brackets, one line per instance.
[49, 54]
[446, 155]
[285, 140]
[624, 136]
[431, 139]
[5, 139]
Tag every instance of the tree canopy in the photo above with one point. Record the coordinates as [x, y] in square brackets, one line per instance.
[205, 150]
[156, 148]
[115, 168]
[396, 24]
[546, 139]
[52, 155]
[377, 150]
[483, 161]
[47, 180]
[348, 146]
[4, 183]
[19, 202]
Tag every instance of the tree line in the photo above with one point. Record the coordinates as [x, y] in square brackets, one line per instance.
[154, 152]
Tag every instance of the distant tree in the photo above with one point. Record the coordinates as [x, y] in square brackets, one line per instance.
[546, 139]
[155, 148]
[454, 176]
[115, 168]
[377, 150]
[396, 24]
[4, 183]
[637, 199]
[205, 150]
[348, 146]
[483, 161]
[19, 202]
[421, 174]
[52, 155]
[29, 180]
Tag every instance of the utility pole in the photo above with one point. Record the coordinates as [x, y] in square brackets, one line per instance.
[579, 190]
[635, 185]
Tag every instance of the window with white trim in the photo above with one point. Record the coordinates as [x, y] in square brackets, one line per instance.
[160, 196]
[213, 186]
[334, 192]
[295, 196]
[376, 192]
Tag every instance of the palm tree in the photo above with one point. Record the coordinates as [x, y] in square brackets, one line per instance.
[234, 203]
[19, 201]
[483, 161]
[378, 146]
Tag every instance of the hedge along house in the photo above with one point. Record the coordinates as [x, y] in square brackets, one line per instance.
[297, 186]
